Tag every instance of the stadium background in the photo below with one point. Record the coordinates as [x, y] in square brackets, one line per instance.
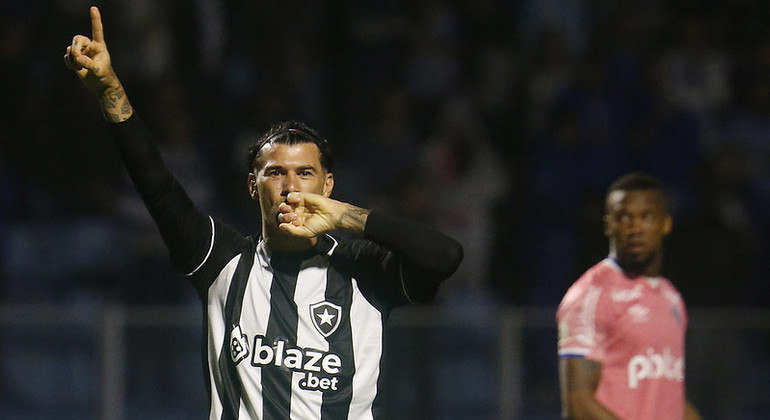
[500, 122]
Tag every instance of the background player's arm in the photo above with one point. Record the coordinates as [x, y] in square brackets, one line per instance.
[90, 60]
[579, 378]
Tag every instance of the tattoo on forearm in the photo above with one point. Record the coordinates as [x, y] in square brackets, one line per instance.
[113, 118]
[354, 218]
[111, 99]
[115, 105]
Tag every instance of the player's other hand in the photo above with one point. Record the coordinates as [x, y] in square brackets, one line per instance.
[309, 215]
[89, 57]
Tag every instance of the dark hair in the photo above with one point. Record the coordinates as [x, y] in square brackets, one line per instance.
[291, 133]
[638, 181]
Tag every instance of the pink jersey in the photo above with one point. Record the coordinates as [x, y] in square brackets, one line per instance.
[636, 329]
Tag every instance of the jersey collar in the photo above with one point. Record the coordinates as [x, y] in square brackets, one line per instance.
[652, 281]
[325, 245]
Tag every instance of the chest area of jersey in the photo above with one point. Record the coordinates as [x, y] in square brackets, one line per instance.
[304, 321]
[647, 317]
[300, 304]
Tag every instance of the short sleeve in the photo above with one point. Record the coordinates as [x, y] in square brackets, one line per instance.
[581, 331]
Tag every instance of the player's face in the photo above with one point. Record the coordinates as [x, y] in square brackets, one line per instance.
[287, 168]
[636, 223]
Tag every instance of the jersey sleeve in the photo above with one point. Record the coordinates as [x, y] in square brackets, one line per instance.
[187, 233]
[581, 322]
[408, 260]
[225, 243]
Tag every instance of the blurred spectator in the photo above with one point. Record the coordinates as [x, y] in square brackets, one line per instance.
[548, 73]
[465, 180]
[386, 152]
[721, 225]
[571, 18]
[697, 72]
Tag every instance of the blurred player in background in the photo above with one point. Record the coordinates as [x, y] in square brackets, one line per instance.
[622, 325]
[294, 316]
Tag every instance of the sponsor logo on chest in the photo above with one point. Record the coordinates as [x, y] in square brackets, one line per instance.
[655, 366]
[319, 368]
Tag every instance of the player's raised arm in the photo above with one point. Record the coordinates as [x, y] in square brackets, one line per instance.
[90, 60]
[186, 231]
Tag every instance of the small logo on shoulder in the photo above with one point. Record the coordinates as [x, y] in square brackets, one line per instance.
[326, 317]
[239, 345]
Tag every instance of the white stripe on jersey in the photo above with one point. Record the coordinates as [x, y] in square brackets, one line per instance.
[403, 285]
[217, 330]
[208, 253]
[587, 332]
[251, 400]
[306, 404]
[366, 331]
[257, 299]
[257, 296]
[573, 351]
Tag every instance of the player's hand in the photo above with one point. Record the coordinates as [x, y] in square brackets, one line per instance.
[89, 57]
[309, 215]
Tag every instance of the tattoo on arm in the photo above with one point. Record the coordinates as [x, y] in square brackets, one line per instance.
[354, 218]
[115, 105]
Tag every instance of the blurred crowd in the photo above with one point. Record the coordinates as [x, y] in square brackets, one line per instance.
[501, 122]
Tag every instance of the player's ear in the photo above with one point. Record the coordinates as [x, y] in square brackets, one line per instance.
[607, 229]
[668, 224]
[328, 184]
[252, 186]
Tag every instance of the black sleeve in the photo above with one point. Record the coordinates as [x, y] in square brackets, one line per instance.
[424, 257]
[186, 231]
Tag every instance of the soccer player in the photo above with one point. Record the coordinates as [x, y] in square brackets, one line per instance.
[622, 325]
[294, 316]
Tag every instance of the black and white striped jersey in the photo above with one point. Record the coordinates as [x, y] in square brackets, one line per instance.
[289, 335]
[297, 336]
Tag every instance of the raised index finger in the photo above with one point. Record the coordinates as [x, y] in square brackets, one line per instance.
[97, 31]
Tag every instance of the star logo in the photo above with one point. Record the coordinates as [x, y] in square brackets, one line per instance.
[326, 317]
